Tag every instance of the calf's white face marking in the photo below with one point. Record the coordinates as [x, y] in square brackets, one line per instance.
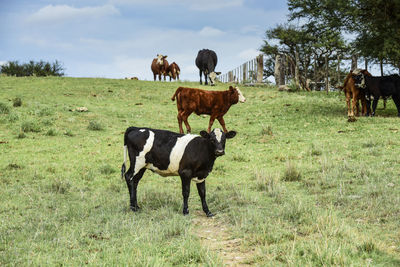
[218, 134]
[242, 99]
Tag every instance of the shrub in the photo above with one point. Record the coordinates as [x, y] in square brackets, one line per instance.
[266, 131]
[95, 126]
[291, 173]
[51, 132]
[30, 126]
[17, 102]
[21, 135]
[4, 108]
[40, 68]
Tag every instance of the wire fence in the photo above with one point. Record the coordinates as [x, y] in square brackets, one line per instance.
[249, 72]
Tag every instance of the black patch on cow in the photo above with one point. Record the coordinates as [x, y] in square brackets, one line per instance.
[159, 154]
[198, 158]
[135, 140]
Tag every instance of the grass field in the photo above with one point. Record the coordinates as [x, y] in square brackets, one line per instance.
[298, 186]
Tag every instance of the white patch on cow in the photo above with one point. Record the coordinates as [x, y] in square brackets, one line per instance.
[242, 99]
[174, 157]
[212, 76]
[142, 130]
[197, 181]
[140, 161]
[356, 71]
[218, 134]
[160, 59]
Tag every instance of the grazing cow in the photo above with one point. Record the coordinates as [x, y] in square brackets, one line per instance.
[159, 67]
[353, 95]
[376, 87]
[213, 103]
[206, 61]
[173, 71]
[171, 154]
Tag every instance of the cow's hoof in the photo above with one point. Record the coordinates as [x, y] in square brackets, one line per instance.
[351, 119]
[185, 212]
[210, 214]
[135, 208]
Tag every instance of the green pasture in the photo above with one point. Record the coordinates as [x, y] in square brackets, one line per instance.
[298, 185]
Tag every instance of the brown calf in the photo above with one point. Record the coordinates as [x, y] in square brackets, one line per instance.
[353, 95]
[173, 71]
[213, 103]
[159, 66]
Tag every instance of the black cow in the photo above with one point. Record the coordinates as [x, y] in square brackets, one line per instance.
[206, 61]
[171, 154]
[376, 87]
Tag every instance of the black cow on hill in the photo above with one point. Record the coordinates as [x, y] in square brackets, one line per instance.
[206, 61]
[376, 87]
[171, 154]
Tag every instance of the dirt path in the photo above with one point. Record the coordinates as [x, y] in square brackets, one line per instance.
[216, 237]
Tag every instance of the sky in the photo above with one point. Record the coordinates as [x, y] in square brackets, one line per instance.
[120, 38]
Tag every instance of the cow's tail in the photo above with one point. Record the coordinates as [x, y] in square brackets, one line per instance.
[176, 93]
[123, 168]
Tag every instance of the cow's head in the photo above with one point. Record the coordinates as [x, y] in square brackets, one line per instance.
[160, 59]
[359, 80]
[236, 95]
[217, 138]
[213, 76]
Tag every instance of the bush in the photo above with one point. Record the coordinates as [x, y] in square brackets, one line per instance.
[40, 68]
[17, 102]
[291, 173]
[95, 126]
[30, 126]
[4, 108]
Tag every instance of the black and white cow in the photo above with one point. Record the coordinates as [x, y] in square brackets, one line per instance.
[171, 154]
[206, 61]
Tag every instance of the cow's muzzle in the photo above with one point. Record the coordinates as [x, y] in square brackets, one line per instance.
[219, 153]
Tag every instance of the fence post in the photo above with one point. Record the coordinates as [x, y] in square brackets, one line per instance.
[260, 68]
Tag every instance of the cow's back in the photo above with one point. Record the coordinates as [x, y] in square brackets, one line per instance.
[200, 101]
[205, 58]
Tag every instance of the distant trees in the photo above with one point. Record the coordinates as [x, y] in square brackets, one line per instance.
[40, 68]
[372, 28]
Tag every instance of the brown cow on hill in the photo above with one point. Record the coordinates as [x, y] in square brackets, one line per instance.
[213, 103]
[173, 71]
[353, 95]
[159, 67]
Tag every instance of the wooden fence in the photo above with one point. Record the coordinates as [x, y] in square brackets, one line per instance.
[250, 72]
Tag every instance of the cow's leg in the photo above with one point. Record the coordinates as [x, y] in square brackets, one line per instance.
[384, 103]
[212, 118]
[364, 110]
[205, 78]
[180, 122]
[185, 192]
[350, 114]
[201, 188]
[201, 82]
[185, 117]
[159, 77]
[222, 122]
[155, 76]
[396, 100]
[368, 103]
[132, 183]
[374, 105]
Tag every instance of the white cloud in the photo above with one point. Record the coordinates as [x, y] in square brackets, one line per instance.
[210, 31]
[56, 13]
[249, 54]
[199, 5]
[204, 5]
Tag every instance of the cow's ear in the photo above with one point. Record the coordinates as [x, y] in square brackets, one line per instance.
[165, 57]
[230, 134]
[231, 88]
[218, 72]
[205, 134]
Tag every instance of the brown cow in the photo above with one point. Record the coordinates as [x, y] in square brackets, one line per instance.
[173, 71]
[353, 95]
[159, 66]
[213, 103]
